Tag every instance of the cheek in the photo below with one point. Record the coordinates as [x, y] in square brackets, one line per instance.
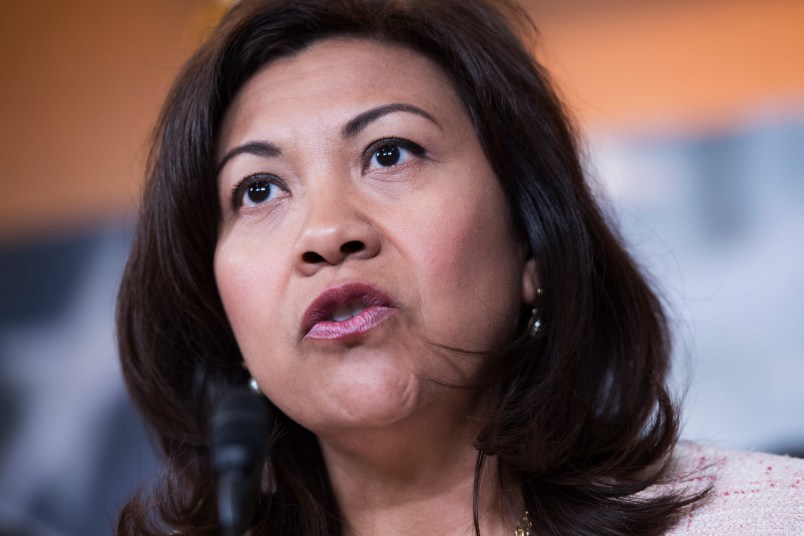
[249, 288]
[471, 271]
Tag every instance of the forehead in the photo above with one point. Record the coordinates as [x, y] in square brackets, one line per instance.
[335, 78]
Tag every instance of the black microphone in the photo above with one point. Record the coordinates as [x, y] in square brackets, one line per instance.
[239, 429]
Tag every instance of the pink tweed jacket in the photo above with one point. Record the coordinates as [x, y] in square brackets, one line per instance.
[752, 493]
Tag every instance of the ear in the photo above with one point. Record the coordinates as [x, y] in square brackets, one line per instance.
[530, 281]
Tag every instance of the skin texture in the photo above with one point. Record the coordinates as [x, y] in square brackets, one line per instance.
[430, 232]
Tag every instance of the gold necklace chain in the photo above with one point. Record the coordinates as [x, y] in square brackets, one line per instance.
[524, 527]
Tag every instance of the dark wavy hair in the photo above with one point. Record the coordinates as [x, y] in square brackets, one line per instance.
[582, 421]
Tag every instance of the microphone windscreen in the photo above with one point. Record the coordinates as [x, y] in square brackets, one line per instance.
[239, 430]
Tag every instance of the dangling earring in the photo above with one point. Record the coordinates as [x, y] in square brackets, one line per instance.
[535, 323]
[253, 386]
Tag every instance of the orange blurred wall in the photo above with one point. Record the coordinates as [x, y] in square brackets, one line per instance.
[83, 82]
[682, 63]
[82, 85]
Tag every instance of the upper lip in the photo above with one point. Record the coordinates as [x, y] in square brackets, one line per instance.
[327, 302]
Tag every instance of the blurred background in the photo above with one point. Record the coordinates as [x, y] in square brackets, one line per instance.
[692, 115]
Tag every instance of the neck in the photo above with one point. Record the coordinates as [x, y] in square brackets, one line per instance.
[415, 477]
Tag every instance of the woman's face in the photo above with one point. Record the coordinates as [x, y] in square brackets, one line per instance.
[362, 227]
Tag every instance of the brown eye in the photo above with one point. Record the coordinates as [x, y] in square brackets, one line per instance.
[257, 189]
[390, 152]
[258, 192]
[388, 155]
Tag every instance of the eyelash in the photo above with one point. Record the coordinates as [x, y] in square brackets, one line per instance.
[240, 189]
[374, 148]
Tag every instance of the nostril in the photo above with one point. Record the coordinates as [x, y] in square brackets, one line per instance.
[312, 257]
[326, 256]
[353, 246]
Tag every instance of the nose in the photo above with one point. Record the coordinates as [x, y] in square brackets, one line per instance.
[334, 232]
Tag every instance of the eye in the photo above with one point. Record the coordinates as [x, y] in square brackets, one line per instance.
[256, 190]
[388, 155]
[391, 152]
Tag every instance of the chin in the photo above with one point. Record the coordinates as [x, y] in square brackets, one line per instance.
[366, 401]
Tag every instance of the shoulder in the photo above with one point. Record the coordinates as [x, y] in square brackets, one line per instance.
[751, 492]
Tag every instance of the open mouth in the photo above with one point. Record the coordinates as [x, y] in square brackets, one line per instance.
[346, 311]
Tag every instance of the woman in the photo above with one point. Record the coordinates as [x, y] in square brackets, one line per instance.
[374, 211]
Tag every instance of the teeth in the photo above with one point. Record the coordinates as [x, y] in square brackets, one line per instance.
[344, 312]
[347, 311]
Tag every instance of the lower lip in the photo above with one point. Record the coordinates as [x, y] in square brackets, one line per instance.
[356, 326]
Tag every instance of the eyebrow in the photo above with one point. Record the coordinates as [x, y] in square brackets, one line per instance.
[361, 121]
[350, 130]
[257, 148]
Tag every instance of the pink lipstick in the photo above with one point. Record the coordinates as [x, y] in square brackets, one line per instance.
[346, 312]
